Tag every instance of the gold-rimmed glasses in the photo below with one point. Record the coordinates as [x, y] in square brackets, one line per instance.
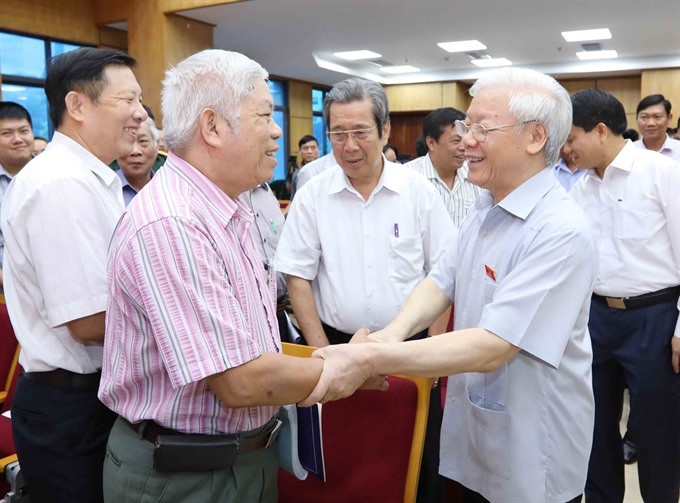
[479, 132]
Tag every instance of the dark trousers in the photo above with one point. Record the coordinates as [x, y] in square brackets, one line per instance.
[60, 436]
[633, 347]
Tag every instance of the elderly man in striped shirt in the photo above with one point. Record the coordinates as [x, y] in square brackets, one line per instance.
[444, 164]
[192, 357]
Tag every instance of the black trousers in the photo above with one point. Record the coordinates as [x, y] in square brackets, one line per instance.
[633, 347]
[60, 436]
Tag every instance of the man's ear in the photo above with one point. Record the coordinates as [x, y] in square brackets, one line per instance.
[76, 104]
[602, 131]
[208, 125]
[538, 138]
[429, 141]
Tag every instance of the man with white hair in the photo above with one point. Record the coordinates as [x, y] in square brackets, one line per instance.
[192, 356]
[518, 420]
[136, 167]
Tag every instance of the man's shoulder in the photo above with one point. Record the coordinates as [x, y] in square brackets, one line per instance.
[559, 213]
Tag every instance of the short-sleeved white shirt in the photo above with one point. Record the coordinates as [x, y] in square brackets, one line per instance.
[58, 216]
[364, 257]
[524, 270]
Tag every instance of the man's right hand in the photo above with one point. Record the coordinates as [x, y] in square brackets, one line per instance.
[346, 368]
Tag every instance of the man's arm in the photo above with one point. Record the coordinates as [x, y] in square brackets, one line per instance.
[270, 379]
[304, 307]
[425, 304]
[88, 329]
[348, 366]
[440, 325]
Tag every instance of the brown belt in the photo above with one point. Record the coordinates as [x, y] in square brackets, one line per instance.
[65, 379]
[644, 300]
[150, 431]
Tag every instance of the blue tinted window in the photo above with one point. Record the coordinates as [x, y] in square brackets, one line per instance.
[280, 170]
[320, 134]
[278, 93]
[34, 100]
[22, 56]
[58, 48]
[317, 100]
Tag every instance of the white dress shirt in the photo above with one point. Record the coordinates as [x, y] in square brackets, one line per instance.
[58, 217]
[522, 269]
[670, 148]
[310, 170]
[363, 257]
[635, 213]
[457, 200]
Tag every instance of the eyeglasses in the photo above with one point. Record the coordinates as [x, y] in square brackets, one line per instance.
[479, 132]
[340, 137]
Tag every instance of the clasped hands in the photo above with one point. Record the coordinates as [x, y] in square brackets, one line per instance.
[346, 368]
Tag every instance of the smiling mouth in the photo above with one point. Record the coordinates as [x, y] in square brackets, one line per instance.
[132, 131]
[473, 159]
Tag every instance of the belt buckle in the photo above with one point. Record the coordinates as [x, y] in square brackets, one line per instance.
[616, 303]
[274, 433]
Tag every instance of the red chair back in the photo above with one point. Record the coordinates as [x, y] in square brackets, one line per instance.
[367, 440]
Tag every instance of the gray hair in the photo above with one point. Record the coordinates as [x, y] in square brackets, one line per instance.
[153, 130]
[212, 78]
[534, 96]
[351, 90]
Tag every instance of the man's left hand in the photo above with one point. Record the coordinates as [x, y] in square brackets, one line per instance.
[675, 357]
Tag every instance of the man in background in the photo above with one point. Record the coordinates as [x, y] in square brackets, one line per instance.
[566, 172]
[136, 167]
[444, 164]
[654, 118]
[309, 152]
[16, 149]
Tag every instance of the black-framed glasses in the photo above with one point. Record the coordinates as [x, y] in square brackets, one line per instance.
[479, 132]
[340, 137]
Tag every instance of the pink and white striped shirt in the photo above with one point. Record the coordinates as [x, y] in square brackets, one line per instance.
[189, 297]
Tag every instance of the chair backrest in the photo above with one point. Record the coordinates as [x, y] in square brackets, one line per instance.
[373, 444]
[9, 353]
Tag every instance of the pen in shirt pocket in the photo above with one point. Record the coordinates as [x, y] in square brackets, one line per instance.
[396, 230]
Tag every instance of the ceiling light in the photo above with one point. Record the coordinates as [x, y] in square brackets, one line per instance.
[489, 62]
[356, 55]
[399, 69]
[462, 46]
[581, 35]
[597, 54]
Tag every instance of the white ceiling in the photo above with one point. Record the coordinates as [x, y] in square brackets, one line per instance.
[288, 36]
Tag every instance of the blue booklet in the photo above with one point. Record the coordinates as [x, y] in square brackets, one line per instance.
[301, 441]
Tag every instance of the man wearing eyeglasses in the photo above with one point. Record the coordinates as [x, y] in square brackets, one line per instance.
[518, 419]
[360, 235]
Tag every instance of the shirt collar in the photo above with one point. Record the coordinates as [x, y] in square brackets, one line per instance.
[225, 207]
[124, 180]
[3, 172]
[97, 167]
[389, 178]
[521, 201]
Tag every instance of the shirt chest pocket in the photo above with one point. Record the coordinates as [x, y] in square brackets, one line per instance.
[632, 220]
[406, 258]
